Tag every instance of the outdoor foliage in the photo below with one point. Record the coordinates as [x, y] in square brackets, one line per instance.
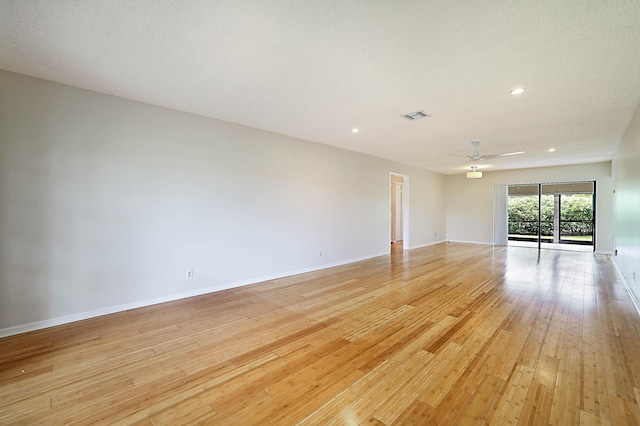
[576, 215]
[523, 215]
[576, 208]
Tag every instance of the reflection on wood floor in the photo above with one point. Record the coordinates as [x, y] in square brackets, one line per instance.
[447, 334]
[552, 246]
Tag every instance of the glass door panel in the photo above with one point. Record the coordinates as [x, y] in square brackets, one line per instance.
[562, 215]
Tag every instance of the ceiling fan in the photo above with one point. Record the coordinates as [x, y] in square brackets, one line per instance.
[477, 157]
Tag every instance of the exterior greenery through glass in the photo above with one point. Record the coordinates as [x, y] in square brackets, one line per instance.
[575, 217]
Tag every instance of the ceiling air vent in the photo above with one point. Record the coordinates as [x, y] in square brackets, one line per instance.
[415, 115]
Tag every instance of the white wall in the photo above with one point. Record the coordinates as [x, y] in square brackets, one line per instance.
[105, 203]
[626, 173]
[470, 201]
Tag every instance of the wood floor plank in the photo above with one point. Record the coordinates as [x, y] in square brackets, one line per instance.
[409, 387]
[341, 403]
[592, 419]
[294, 409]
[510, 406]
[451, 408]
[540, 395]
[447, 334]
[484, 401]
[565, 408]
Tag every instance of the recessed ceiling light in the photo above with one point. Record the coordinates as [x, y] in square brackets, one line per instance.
[355, 130]
[552, 149]
[517, 91]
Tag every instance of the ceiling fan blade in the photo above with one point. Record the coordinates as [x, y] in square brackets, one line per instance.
[477, 157]
[506, 154]
[471, 159]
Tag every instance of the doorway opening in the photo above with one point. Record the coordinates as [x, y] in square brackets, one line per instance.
[552, 216]
[399, 211]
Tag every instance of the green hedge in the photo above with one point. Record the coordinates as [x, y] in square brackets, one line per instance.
[523, 215]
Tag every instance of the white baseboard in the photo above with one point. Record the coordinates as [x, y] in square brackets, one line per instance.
[634, 299]
[469, 242]
[38, 325]
[608, 253]
[433, 243]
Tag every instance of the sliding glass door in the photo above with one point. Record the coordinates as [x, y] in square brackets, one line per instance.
[525, 209]
[576, 218]
[552, 215]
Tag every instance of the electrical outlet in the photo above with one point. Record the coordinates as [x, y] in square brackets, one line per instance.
[189, 274]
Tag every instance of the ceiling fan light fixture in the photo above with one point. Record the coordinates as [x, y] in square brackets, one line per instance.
[474, 173]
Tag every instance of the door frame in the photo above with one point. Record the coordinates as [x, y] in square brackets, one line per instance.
[540, 185]
[405, 209]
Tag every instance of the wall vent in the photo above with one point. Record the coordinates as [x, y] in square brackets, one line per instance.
[415, 115]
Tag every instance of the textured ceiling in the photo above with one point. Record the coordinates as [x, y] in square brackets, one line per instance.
[316, 69]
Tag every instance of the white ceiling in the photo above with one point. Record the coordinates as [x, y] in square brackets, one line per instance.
[316, 69]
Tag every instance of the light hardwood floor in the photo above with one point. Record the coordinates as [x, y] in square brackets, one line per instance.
[447, 334]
